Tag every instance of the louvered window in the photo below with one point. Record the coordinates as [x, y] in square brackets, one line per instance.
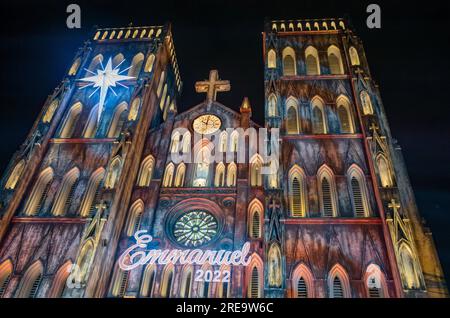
[297, 191]
[123, 283]
[70, 196]
[43, 197]
[344, 119]
[4, 285]
[137, 221]
[327, 201]
[311, 65]
[357, 198]
[318, 124]
[34, 288]
[292, 127]
[288, 66]
[255, 225]
[254, 284]
[337, 288]
[374, 292]
[95, 201]
[302, 290]
[335, 67]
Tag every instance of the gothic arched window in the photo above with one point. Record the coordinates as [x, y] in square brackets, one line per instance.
[312, 61]
[271, 59]
[234, 141]
[366, 103]
[272, 105]
[163, 97]
[297, 192]
[409, 268]
[327, 191]
[96, 61]
[338, 283]
[223, 142]
[354, 57]
[118, 120]
[74, 68]
[39, 193]
[146, 171]
[292, 125]
[302, 282]
[318, 117]
[113, 173]
[168, 175]
[219, 179]
[134, 109]
[6, 269]
[161, 83]
[359, 191]
[167, 281]
[91, 124]
[71, 120]
[289, 67]
[118, 60]
[254, 289]
[255, 217]
[175, 144]
[136, 212]
[91, 196]
[136, 65]
[186, 140]
[256, 179]
[375, 282]
[120, 283]
[186, 282]
[274, 264]
[50, 111]
[31, 281]
[384, 171]
[66, 192]
[148, 281]
[179, 176]
[59, 283]
[15, 175]
[344, 114]
[231, 175]
[335, 60]
[149, 63]
[203, 160]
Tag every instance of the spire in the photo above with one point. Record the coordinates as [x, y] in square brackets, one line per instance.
[246, 113]
[246, 107]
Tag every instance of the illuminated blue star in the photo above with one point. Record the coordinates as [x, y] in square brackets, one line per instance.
[105, 79]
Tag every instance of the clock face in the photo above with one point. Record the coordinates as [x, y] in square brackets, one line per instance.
[206, 124]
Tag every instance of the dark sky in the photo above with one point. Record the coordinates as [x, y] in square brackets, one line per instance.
[408, 56]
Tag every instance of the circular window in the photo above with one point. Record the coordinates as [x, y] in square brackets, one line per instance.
[195, 228]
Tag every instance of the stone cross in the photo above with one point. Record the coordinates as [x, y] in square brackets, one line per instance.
[212, 86]
[394, 205]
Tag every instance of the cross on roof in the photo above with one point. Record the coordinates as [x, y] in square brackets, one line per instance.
[394, 205]
[212, 86]
[373, 127]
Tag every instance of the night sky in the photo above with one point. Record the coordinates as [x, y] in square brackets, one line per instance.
[408, 57]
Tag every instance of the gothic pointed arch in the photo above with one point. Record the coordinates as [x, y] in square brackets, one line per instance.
[135, 217]
[175, 142]
[15, 175]
[234, 141]
[384, 171]
[289, 62]
[66, 192]
[94, 65]
[71, 120]
[409, 267]
[358, 191]
[366, 102]
[375, 282]
[39, 193]
[186, 143]
[51, 109]
[345, 115]
[231, 175]
[319, 122]
[136, 65]
[271, 59]
[292, 122]
[354, 57]
[275, 272]
[297, 192]
[302, 282]
[84, 260]
[149, 63]
[117, 60]
[203, 160]
[146, 171]
[223, 139]
[335, 60]
[186, 281]
[327, 192]
[338, 283]
[148, 281]
[168, 175]
[167, 279]
[254, 277]
[312, 61]
[256, 177]
[180, 175]
[75, 66]
[205, 288]
[134, 109]
[59, 282]
[113, 175]
[219, 178]
[6, 271]
[118, 120]
[90, 128]
[120, 283]
[272, 105]
[162, 78]
[31, 281]
[255, 219]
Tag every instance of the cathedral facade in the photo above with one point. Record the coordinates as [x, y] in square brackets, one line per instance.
[112, 175]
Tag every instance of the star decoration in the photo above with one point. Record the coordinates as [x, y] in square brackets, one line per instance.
[105, 79]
